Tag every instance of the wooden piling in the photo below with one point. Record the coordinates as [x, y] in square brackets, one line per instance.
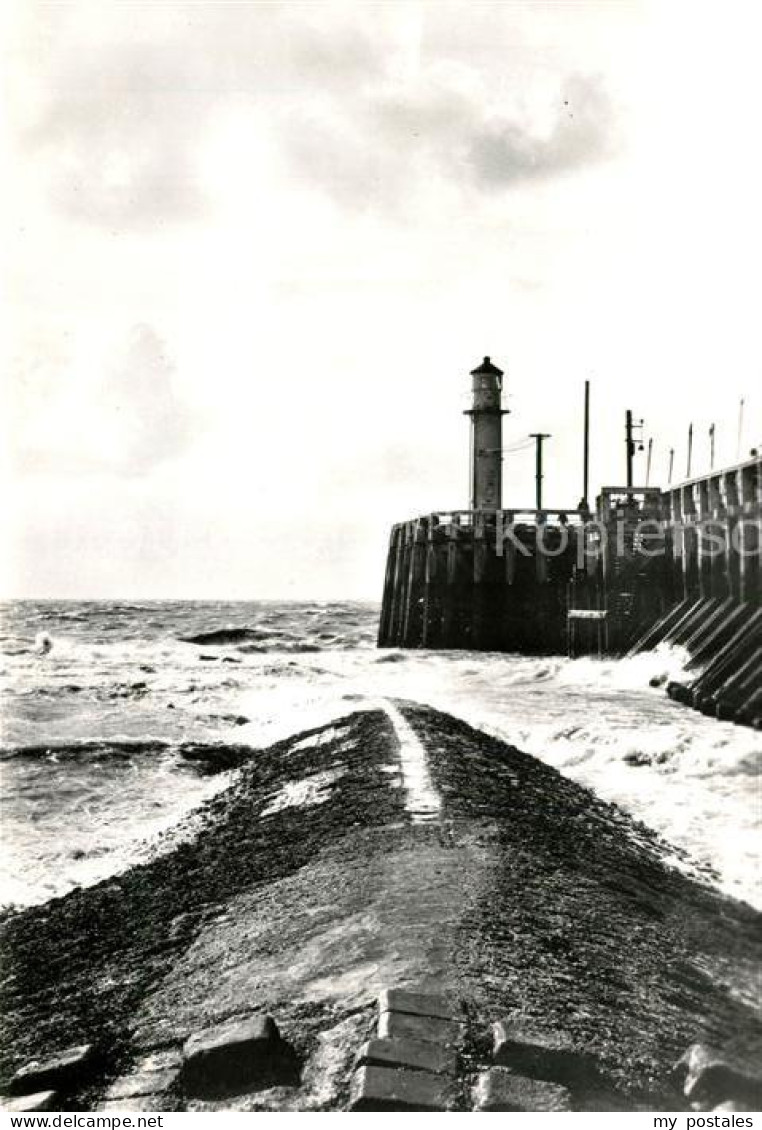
[435, 583]
[412, 630]
[456, 620]
[387, 602]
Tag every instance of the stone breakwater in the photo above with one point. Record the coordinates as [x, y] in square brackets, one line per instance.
[561, 955]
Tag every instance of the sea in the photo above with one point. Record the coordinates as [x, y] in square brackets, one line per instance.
[115, 714]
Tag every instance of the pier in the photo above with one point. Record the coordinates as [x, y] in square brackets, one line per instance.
[648, 566]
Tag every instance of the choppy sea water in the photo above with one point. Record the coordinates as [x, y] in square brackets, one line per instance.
[104, 701]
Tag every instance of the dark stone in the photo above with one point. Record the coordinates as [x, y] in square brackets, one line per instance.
[28, 1104]
[501, 1089]
[62, 1072]
[384, 1088]
[709, 1077]
[417, 1004]
[542, 1054]
[415, 1055]
[233, 1056]
[431, 1029]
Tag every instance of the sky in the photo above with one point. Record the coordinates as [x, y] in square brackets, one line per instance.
[254, 249]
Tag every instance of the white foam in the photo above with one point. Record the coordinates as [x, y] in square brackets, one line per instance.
[306, 793]
[423, 801]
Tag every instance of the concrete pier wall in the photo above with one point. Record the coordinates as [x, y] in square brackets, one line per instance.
[487, 580]
[679, 567]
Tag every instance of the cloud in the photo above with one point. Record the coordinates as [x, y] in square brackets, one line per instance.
[505, 152]
[121, 111]
[445, 132]
[125, 419]
[369, 108]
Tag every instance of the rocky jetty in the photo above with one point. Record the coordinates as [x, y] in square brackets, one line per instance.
[529, 944]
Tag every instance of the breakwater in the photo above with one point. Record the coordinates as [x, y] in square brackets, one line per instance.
[324, 875]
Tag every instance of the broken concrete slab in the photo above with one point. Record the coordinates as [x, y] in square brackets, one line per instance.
[429, 1029]
[417, 1003]
[231, 1056]
[62, 1072]
[527, 1048]
[28, 1104]
[416, 1055]
[386, 1088]
[501, 1089]
[710, 1077]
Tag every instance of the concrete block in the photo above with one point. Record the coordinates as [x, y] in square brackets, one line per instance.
[28, 1104]
[429, 1029]
[418, 1004]
[141, 1083]
[416, 1055]
[501, 1089]
[62, 1072]
[528, 1049]
[709, 1077]
[231, 1056]
[386, 1088]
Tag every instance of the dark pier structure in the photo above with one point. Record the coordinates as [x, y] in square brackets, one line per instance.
[647, 567]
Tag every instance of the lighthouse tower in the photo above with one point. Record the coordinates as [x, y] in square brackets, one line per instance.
[486, 437]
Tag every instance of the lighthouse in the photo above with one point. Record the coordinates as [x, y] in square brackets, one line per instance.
[486, 415]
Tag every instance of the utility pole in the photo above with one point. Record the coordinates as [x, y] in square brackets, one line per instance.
[711, 447]
[539, 437]
[630, 426]
[740, 428]
[586, 454]
[690, 450]
[671, 463]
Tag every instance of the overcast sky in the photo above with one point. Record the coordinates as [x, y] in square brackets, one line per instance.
[256, 249]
